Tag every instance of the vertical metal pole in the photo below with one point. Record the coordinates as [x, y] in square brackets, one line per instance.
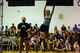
[2, 18]
[2, 25]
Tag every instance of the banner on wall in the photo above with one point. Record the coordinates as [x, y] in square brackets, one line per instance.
[21, 2]
[60, 16]
[60, 2]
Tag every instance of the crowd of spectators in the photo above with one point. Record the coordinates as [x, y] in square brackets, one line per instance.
[64, 39]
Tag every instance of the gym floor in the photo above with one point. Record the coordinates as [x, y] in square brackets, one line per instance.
[36, 52]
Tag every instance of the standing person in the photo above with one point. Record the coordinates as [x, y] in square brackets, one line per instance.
[23, 28]
[63, 29]
[47, 19]
[13, 30]
[75, 28]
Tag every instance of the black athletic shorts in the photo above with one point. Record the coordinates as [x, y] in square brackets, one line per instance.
[44, 28]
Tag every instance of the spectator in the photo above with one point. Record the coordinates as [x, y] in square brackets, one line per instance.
[51, 42]
[36, 26]
[79, 27]
[0, 46]
[76, 46]
[60, 46]
[13, 30]
[33, 43]
[67, 45]
[75, 28]
[30, 25]
[61, 36]
[68, 29]
[63, 28]
[7, 32]
[37, 40]
[56, 29]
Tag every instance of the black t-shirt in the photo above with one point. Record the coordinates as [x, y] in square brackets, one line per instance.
[23, 27]
[63, 28]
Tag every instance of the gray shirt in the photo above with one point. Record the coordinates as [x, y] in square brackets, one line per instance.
[47, 20]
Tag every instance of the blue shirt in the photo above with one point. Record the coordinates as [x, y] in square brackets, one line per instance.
[75, 29]
[60, 37]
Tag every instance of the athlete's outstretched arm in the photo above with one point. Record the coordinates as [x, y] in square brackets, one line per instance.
[44, 12]
[52, 11]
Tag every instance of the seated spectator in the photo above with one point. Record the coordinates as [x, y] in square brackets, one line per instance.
[7, 32]
[67, 45]
[37, 41]
[56, 34]
[0, 46]
[60, 46]
[32, 43]
[69, 33]
[44, 44]
[79, 38]
[75, 37]
[43, 41]
[60, 36]
[76, 46]
[56, 30]
[51, 42]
